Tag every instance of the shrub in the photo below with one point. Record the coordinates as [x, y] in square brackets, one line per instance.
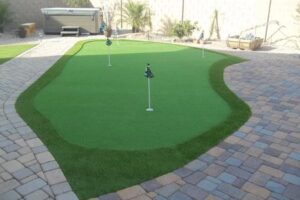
[179, 30]
[168, 26]
[184, 29]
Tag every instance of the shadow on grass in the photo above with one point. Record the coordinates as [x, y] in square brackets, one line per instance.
[92, 172]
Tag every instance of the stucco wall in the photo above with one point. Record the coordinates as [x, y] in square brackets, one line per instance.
[234, 16]
[24, 11]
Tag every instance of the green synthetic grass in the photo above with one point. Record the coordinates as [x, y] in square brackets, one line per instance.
[8, 52]
[93, 119]
[97, 106]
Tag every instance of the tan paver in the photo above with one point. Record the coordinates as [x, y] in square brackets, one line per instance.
[168, 178]
[55, 176]
[256, 190]
[44, 157]
[216, 151]
[12, 166]
[271, 171]
[142, 197]
[131, 192]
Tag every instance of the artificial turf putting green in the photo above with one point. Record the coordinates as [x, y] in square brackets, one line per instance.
[97, 106]
[92, 117]
[8, 52]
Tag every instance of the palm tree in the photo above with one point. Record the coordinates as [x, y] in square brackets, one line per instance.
[137, 14]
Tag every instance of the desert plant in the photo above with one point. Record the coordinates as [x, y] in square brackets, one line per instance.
[77, 3]
[137, 14]
[184, 29]
[167, 27]
[4, 15]
[179, 30]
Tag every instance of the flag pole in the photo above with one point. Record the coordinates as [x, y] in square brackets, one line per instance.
[109, 64]
[149, 96]
[108, 44]
[148, 74]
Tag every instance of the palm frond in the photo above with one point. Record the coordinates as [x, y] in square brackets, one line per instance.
[137, 14]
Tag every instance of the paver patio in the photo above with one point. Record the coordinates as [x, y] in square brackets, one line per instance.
[259, 161]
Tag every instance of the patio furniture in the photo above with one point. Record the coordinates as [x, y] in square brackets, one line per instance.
[233, 43]
[244, 44]
[251, 44]
[70, 30]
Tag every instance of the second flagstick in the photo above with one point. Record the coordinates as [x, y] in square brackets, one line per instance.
[148, 74]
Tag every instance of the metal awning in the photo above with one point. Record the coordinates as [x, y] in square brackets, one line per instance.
[71, 11]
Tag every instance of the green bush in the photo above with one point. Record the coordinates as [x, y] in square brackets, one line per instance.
[179, 30]
[4, 15]
[184, 29]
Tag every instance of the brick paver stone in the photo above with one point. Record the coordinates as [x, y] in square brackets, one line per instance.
[256, 190]
[167, 179]
[131, 192]
[55, 176]
[12, 166]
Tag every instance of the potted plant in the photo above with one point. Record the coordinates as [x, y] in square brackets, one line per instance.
[108, 31]
[21, 32]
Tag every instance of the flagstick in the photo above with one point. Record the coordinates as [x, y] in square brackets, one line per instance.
[203, 49]
[109, 64]
[118, 38]
[149, 97]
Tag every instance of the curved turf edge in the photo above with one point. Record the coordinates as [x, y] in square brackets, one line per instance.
[92, 172]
